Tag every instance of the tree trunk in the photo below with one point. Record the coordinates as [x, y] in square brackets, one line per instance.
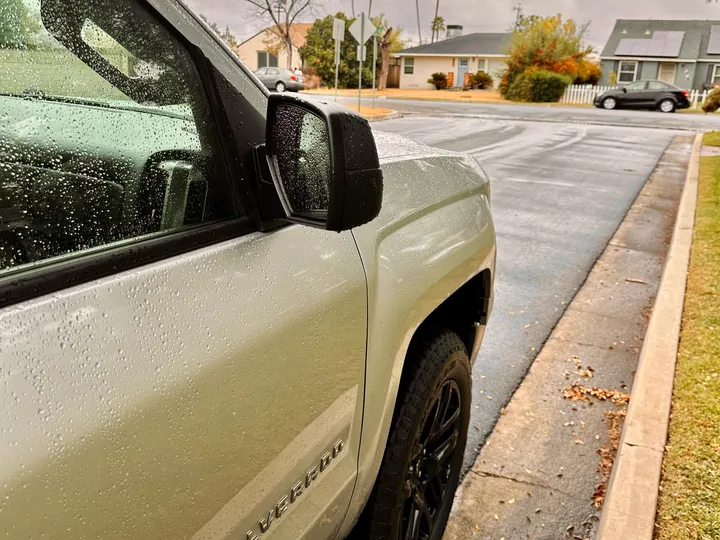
[288, 45]
[436, 31]
[384, 60]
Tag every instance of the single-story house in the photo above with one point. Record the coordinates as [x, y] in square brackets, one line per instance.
[454, 56]
[261, 50]
[684, 53]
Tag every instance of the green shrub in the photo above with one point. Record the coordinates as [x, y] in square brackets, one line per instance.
[712, 102]
[482, 80]
[547, 86]
[439, 80]
[537, 85]
[518, 90]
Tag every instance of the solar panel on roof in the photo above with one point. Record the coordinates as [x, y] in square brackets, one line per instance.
[673, 44]
[625, 46]
[714, 43]
[640, 47]
[656, 46]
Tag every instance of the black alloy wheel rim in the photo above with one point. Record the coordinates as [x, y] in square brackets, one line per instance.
[431, 464]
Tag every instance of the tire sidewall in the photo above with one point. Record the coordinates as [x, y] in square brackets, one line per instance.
[606, 101]
[672, 110]
[456, 367]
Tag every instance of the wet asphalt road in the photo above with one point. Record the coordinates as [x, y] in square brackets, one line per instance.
[549, 113]
[559, 192]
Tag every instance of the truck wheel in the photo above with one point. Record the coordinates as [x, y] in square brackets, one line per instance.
[420, 471]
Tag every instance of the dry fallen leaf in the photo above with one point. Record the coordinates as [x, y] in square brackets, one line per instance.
[511, 501]
[578, 392]
[615, 421]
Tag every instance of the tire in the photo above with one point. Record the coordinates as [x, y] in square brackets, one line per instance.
[411, 475]
[667, 106]
[280, 86]
[609, 103]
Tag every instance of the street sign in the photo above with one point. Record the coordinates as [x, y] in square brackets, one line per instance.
[362, 29]
[339, 29]
[361, 53]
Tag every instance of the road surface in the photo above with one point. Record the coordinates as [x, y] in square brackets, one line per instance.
[547, 113]
[559, 192]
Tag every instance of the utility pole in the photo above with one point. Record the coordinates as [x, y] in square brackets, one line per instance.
[518, 9]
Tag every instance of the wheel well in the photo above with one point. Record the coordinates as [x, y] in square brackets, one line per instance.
[460, 312]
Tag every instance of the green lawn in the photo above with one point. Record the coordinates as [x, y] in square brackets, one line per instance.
[689, 506]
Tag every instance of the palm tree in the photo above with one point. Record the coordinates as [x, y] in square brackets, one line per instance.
[417, 10]
[437, 7]
[438, 25]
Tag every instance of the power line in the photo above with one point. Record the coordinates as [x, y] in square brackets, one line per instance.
[518, 9]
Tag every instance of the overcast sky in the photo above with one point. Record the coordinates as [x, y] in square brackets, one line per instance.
[474, 15]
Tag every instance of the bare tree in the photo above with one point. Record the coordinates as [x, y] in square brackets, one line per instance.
[282, 13]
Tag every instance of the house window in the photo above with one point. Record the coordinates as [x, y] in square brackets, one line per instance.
[716, 76]
[409, 66]
[266, 59]
[627, 72]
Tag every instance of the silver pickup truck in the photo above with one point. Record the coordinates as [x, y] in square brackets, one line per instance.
[223, 314]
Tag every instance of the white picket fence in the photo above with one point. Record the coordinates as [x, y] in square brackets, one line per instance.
[582, 94]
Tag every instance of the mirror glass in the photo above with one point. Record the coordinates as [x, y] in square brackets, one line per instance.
[302, 153]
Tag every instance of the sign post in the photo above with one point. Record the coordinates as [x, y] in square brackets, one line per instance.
[377, 32]
[338, 36]
[360, 30]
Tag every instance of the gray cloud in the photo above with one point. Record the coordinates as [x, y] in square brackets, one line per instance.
[474, 15]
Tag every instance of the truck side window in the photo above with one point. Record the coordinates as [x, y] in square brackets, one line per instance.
[106, 134]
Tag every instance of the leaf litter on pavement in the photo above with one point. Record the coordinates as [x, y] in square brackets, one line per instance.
[579, 392]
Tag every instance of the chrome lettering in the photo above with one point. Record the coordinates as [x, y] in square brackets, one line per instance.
[325, 461]
[296, 491]
[311, 476]
[281, 506]
[265, 524]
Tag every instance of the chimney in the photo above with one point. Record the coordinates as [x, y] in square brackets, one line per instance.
[453, 31]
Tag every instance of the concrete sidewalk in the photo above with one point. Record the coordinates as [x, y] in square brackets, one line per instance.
[543, 472]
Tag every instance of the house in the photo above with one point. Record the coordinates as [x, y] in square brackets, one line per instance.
[684, 53]
[257, 52]
[456, 56]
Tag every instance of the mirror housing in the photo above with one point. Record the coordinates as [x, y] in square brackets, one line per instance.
[624, 90]
[324, 163]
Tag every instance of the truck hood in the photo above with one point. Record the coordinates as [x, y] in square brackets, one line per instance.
[391, 146]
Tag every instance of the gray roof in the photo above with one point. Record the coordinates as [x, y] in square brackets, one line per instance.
[694, 43]
[471, 45]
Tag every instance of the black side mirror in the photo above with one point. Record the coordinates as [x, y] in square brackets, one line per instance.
[324, 163]
[624, 90]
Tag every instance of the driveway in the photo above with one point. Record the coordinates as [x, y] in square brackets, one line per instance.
[559, 192]
[548, 113]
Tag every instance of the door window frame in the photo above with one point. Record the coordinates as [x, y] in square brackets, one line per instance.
[32, 281]
[410, 66]
[715, 75]
[622, 71]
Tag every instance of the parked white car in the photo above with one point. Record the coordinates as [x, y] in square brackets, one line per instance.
[223, 314]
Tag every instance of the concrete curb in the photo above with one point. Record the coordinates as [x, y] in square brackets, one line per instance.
[389, 116]
[631, 502]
